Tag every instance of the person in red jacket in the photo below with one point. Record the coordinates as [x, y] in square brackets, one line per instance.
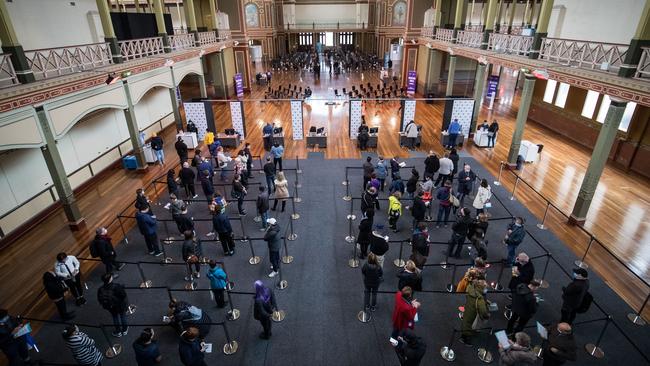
[404, 312]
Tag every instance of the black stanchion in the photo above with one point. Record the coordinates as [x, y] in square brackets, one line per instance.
[231, 345]
[399, 262]
[233, 313]
[292, 236]
[483, 353]
[254, 259]
[446, 352]
[497, 285]
[347, 196]
[145, 282]
[346, 181]
[543, 283]
[114, 349]
[637, 318]
[243, 230]
[351, 217]
[451, 285]
[294, 214]
[119, 220]
[166, 259]
[364, 316]
[298, 170]
[581, 262]
[594, 350]
[281, 284]
[286, 259]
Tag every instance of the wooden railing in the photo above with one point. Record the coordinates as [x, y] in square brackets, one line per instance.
[469, 38]
[511, 44]
[643, 68]
[207, 37]
[7, 72]
[583, 54]
[50, 62]
[446, 35]
[181, 41]
[141, 47]
[427, 32]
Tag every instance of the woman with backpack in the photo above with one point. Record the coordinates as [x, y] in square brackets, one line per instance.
[394, 210]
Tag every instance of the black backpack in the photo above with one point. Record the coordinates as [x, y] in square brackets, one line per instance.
[585, 304]
[93, 249]
[106, 298]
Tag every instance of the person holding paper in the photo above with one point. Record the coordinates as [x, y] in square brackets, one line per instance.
[191, 348]
[518, 353]
[67, 269]
[410, 349]
[13, 347]
[146, 349]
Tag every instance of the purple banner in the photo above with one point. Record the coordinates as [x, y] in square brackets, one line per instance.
[239, 85]
[492, 84]
[411, 82]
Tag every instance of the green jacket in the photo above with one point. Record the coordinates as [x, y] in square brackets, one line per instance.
[475, 304]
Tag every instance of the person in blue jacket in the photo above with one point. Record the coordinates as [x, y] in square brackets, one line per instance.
[218, 282]
[267, 132]
[277, 151]
[221, 224]
[147, 224]
[453, 130]
[381, 169]
[514, 236]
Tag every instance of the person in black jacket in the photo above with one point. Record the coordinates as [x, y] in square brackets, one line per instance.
[269, 172]
[13, 347]
[373, 275]
[172, 186]
[523, 307]
[191, 252]
[191, 349]
[492, 132]
[368, 169]
[183, 315]
[412, 183]
[264, 307]
[369, 202]
[55, 289]
[431, 165]
[560, 345]
[453, 156]
[187, 180]
[102, 247]
[522, 272]
[379, 244]
[394, 167]
[363, 238]
[410, 349]
[206, 185]
[221, 225]
[409, 276]
[157, 147]
[239, 192]
[465, 182]
[420, 245]
[262, 205]
[112, 297]
[459, 232]
[183, 221]
[418, 209]
[573, 294]
[274, 240]
[141, 199]
[181, 149]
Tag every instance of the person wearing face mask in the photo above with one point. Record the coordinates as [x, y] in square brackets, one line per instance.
[522, 272]
[459, 232]
[476, 311]
[146, 349]
[465, 183]
[514, 236]
[560, 345]
[524, 306]
[573, 294]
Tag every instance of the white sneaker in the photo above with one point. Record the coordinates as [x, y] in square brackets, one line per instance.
[273, 274]
[211, 233]
[196, 195]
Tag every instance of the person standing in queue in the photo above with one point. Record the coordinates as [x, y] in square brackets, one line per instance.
[277, 151]
[221, 224]
[67, 269]
[191, 349]
[264, 307]
[560, 346]
[186, 174]
[372, 277]
[405, 312]
[181, 149]
[267, 133]
[269, 173]
[274, 240]
[147, 352]
[218, 282]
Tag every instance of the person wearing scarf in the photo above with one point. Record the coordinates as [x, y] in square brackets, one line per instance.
[264, 306]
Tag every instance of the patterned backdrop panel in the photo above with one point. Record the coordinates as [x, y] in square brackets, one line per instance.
[409, 113]
[463, 110]
[237, 115]
[296, 119]
[195, 112]
[355, 118]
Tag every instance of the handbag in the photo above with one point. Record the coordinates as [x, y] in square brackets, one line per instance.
[478, 321]
[488, 204]
[454, 200]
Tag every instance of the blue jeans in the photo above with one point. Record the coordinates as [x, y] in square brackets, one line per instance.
[119, 321]
[269, 183]
[491, 140]
[446, 210]
[265, 216]
[160, 155]
[222, 175]
[511, 254]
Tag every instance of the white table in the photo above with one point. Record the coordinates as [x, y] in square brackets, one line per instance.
[481, 138]
[529, 151]
[149, 155]
[189, 138]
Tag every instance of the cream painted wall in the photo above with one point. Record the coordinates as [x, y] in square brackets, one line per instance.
[55, 23]
[313, 13]
[595, 20]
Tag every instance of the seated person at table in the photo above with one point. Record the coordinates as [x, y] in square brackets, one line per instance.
[363, 138]
[363, 127]
[307, 92]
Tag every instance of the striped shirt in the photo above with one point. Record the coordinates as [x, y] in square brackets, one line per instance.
[83, 349]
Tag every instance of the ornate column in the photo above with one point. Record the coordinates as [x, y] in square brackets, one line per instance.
[438, 16]
[489, 23]
[458, 19]
[522, 116]
[511, 15]
[190, 17]
[497, 25]
[11, 45]
[598, 159]
[450, 76]
[160, 24]
[134, 131]
[542, 27]
[109, 33]
[641, 39]
[57, 172]
[479, 84]
[172, 95]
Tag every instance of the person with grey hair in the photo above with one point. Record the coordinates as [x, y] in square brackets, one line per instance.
[519, 352]
[102, 247]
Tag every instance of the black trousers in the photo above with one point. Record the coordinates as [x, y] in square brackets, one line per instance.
[276, 162]
[455, 245]
[218, 297]
[442, 178]
[110, 263]
[152, 242]
[61, 307]
[519, 320]
[76, 289]
[568, 315]
[275, 204]
[189, 190]
[227, 243]
[266, 325]
[370, 296]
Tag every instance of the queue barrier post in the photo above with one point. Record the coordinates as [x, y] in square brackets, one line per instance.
[346, 181]
[581, 262]
[126, 239]
[286, 259]
[543, 283]
[145, 282]
[278, 315]
[191, 285]
[234, 313]
[292, 236]
[298, 185]
[166, 259]
[514, 189]
[446, 352]
[364, 315]
[497, 285]
[445, 264]
[168, 238]
[399, 262]
[243, 230]
[351, 217]
[353, 262]
[498, 181]
[282, 284]
[636, 318]
[483, 353]
[347, 196]
[114, 349]
[294, 214]
[231, 345]
[451, 285]
[298, 170]
[594, 350]
[254, 259]
[541, 224]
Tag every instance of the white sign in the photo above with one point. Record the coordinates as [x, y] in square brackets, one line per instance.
[409, 113]
[463, 110]
[237, 116]
[355, 118]
[195, 112]
[296, 119]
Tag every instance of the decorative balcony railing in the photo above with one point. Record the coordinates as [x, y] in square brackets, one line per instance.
[446, 35]
[207, 37]
[7, 72]
[516, 29]
[471, 39]
[474, 27]
[583, 54]
[427, 32]
[643, 69]
[224, 34]
[503, 28]
[141, 47]
[49, 62]
[321, 26]
[505, 43]
[180, 30]
[181, 41]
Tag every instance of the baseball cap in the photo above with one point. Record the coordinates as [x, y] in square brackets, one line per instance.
[271, 221]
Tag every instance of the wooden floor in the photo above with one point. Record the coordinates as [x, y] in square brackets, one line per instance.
[619, 216]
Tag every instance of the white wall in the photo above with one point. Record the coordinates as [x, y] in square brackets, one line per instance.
[23, 173]
[55, 23]
[595, 20]
[312, 13]
[177, 22]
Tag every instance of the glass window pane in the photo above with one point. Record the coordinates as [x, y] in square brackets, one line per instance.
[627, 116]
[604, 106]
[550, 90]
[562, 92]
[329, 39]
[590, 104]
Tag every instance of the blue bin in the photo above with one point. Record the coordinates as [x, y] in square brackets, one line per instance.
[129, 162]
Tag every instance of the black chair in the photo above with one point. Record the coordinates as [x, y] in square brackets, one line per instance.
[344, 91]
[336, 92]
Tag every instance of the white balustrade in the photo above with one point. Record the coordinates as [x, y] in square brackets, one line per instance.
[583, 54]
[181, 41]
[643, 68]
[7, 72]
[224, 34]
[474, 28]
[511, 44]
[471, 39]
[207, 37]
[141, 47]
[444, 34]
[427, 32]
[50, 62]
